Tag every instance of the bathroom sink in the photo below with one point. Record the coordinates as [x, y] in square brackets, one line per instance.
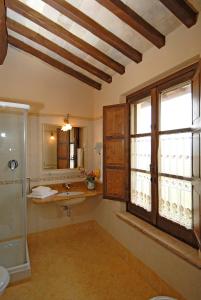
[78, 197]
[70, 194]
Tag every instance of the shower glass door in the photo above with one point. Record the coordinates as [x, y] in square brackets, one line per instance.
[12, 186]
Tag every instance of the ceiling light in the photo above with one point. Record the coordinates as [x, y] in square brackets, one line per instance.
[67, 126]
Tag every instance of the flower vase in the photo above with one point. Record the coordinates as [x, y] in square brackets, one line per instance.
[91, 185]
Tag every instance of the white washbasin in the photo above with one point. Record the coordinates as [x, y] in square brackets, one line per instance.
[71, 201]
[70, 194]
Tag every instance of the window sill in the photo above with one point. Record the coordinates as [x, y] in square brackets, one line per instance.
[177, 247]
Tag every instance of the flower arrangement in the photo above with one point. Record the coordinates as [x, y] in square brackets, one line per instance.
[91, 176]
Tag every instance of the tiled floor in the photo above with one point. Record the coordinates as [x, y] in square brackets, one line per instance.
[83, 262]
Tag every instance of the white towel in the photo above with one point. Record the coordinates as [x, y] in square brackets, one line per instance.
[41, 193]
[44, 195]
[41, 189]
[80, 157]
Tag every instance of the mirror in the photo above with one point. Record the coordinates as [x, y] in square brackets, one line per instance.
[62, 150]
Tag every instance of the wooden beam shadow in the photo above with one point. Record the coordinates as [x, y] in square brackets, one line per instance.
[183, 10]
[3, 33]
[88, 23]
[64, 34]
[131, 18]
[37, 38]
[53, 62]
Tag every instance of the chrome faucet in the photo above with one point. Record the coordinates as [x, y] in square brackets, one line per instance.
[67, 185]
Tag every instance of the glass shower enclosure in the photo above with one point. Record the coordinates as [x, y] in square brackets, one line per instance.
[13, 214]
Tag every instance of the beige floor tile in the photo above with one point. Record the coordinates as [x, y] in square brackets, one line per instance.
[82, 261]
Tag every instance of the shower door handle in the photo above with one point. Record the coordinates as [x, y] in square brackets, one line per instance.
[12, 164]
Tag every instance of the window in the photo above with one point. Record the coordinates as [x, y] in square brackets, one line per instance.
[141, 153]
[161, 155]
[175, 155]
[151, 154]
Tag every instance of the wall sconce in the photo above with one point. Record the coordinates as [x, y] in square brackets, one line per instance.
[52, 136]
[98, 148]
[3, 134]
[67, 126]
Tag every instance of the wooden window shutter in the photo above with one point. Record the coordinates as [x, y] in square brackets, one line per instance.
[116, 152]
[196, 86]
[63, 149]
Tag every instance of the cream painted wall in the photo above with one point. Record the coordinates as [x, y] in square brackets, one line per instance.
[42, 217]
[48, 90]
[51, 94]
[48, 216]
[181, 46]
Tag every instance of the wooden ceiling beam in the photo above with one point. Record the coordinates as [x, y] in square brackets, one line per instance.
[131, 18]
[88, 23]
[58, 30]
[3, 32]
[53, 62]
[37, 38]
[183, 10]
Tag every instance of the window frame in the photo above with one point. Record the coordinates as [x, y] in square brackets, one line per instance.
[153, 217]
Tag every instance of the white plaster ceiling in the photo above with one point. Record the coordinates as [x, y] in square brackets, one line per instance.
[151, 10]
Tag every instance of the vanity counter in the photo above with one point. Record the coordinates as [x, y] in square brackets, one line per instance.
[74, 187]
